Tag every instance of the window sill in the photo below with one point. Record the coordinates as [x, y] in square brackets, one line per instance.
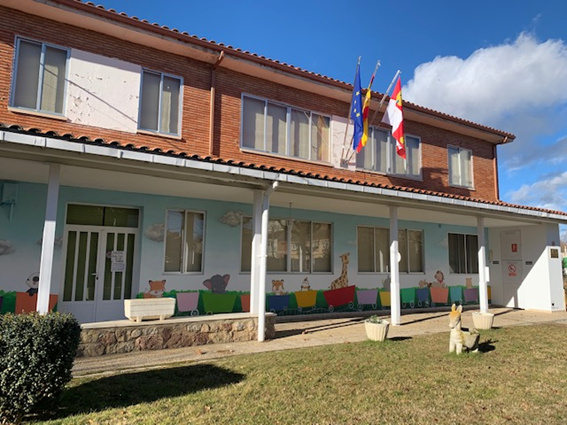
[156, 134]
[456, 186]
[37, 113]
[398, 176]
[292, 158]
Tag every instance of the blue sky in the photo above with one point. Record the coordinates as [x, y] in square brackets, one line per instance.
[499, 63]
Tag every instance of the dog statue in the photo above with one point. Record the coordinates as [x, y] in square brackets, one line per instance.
[461, 338]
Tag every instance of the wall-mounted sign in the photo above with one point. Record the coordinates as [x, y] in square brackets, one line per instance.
[554, 253]
[514, 247]
[512, 270]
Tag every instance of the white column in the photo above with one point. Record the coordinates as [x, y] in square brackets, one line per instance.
[48, 243]
[394, 268]
[256, 243]
[482, 282]
[263, 269]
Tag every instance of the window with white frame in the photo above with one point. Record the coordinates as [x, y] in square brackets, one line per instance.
[294, 246]
[460, 167]
[39, 77]
[184, 236]
[463, 253]
[160, 103]
[374, 250]
[380, 155]
[275, 128]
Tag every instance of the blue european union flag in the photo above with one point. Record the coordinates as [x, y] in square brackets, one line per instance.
[356, 111]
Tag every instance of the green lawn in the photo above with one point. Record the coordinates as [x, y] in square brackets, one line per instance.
[519, 377]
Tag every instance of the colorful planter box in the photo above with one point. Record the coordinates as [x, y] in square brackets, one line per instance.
[340, 297]
[471, 295]
[456, 294]
[218, 303]
[26, 303]
[306, 299]
[408, 297]
[422, 295]
[278, 303]
[245, 302]
[385, 299]
[188, 301]
[439, 295]
[367, 297]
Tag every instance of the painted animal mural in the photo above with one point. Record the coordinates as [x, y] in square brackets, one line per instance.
[278, 287]
[217, 284]
[157, 288]
[342, 280]
[305, 286]
[460, 338]
[33, 284]
[468, 282]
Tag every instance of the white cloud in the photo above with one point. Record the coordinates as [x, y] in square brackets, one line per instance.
[155, 232]
[494, 82]
[549, 193]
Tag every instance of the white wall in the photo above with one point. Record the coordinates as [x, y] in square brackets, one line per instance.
[103, 92]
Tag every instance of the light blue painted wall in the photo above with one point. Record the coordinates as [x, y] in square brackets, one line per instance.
[222, 243]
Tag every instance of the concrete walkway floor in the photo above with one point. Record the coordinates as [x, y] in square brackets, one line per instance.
[299, 334]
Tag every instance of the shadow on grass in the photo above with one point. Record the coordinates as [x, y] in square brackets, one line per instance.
[400, 338]
[486, 346]
[142, 387]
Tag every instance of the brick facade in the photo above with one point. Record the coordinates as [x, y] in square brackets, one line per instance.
[229, 88]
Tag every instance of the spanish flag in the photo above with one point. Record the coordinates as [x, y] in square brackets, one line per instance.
[365, 112]
[395, 117]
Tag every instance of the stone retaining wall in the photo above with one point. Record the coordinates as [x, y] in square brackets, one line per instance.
[115, 338]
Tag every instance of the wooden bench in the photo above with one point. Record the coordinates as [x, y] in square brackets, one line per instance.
[139, 309]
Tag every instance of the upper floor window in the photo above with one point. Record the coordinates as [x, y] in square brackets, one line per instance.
[379, 154]
[460, 167]
[374, 250]
[184, 236]
[463, 253]
[293, 246]
[39, 82]
[160, 103]
[280, 129]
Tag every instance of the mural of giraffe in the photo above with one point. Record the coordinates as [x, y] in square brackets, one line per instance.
[342, 280]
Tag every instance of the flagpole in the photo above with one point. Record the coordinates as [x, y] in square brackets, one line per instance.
[384, 96]
[349, 110]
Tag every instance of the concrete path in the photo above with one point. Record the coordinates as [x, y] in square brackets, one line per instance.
[296, 334]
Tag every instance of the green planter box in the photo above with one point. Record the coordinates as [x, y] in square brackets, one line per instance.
[218, 303]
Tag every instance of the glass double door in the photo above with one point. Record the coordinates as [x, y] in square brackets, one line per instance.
[99, 271]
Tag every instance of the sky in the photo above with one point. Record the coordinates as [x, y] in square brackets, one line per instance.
[498, 63]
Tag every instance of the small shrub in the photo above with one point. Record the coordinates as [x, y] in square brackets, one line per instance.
[375, 319]
[36, 357]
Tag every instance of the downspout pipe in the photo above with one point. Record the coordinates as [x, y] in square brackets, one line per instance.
[263, 261]
[213, 92]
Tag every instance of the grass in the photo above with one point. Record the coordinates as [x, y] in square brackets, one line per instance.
[519, 377]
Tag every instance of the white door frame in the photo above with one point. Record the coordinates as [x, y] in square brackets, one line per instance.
[97, 304]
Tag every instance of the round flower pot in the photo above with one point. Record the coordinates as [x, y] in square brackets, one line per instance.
[482, 320]
[377, 331]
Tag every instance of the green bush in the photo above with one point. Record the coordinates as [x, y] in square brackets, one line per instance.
[36, 357]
